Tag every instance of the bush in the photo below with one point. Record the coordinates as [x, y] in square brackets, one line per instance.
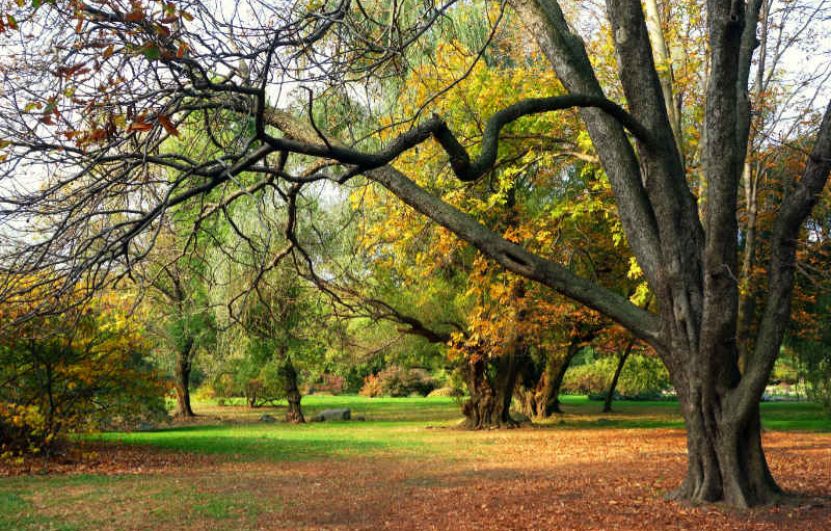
[333, 384]
[86, 370]
[587, 379]
[398, 382]
[445, 392]
[259, 383]
[21, 430]
[372, 386]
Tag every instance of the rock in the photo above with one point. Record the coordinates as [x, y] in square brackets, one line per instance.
[268, 419]
[360, 418]
[333, 414]
[145, 426]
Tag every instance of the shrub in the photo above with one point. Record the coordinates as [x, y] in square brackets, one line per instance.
[398, 382]
[587, 379]
[259, 383]
[327, 383]
[84, 370]
[445, 392]
[21, 430]
[372, 386]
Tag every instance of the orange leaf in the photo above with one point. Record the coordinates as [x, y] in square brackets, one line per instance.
[134, 16]
[168, 125]
[139, 125]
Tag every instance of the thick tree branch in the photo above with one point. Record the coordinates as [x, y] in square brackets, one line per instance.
[565, 50]
[642, 323]
[518, 260]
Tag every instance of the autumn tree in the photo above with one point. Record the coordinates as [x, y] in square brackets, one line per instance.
[84, 369]
[68, 108]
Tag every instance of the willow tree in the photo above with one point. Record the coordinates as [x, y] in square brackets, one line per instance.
[98, 86]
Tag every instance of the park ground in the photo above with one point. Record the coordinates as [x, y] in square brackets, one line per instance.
[408, 467]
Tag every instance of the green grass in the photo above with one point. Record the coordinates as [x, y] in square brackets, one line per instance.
[87, 501]
[395, 425]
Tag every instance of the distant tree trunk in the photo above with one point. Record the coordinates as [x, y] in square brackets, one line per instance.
[607, 404]
[552, 403]
[294, 414]
[183, 369]
[490, 394]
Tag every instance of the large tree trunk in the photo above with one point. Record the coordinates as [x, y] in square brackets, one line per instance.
[490, 394]
[294, 414]
[184, 366]
[610, 394]
[725, 457]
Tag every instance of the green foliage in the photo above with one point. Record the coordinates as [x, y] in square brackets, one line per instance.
[253, 378]
[642, 376]
[812, 352]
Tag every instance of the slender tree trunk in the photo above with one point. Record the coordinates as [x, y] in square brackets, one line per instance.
[610, 394]
[552, 404]
[294, 414]
[183, 370]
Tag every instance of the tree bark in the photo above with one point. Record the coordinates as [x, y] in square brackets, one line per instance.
[535, 388]
[184, 364]
[491, 385]
[294, 415]
[725, 457]
[610, 394]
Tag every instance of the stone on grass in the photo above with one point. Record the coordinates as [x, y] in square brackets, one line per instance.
[268, 419]
[333, 414]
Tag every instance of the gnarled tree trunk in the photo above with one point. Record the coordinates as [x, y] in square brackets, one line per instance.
[491, 385]
[725, 457]
[535, 387]
[294, 414]
[184, 365]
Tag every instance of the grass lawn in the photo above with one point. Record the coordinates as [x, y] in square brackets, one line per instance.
[229, 471]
